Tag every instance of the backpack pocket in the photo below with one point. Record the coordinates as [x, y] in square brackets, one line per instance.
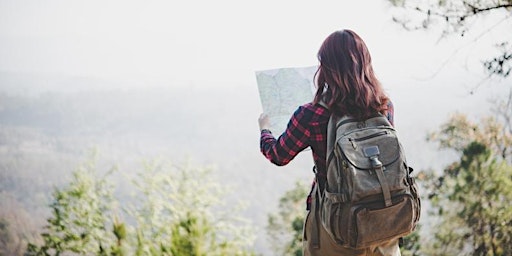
[370, 226]
[330, 216]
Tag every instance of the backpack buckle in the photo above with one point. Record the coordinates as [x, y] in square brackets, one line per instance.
[373, 153]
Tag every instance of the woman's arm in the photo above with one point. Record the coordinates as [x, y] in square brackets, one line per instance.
[293, 140]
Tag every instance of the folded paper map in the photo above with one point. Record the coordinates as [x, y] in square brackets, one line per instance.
[282, 91]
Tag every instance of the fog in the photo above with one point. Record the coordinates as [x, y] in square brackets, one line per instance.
[139, 80]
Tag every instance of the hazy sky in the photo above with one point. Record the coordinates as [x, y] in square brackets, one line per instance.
[198, 41]
[181, 41]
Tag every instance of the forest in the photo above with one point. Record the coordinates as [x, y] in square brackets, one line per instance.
[48, 136]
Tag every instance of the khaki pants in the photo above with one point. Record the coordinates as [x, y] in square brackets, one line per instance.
[329, 247]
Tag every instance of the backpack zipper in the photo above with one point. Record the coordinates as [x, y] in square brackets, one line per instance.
[352, 140]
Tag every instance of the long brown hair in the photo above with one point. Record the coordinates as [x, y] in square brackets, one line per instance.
[345, 79]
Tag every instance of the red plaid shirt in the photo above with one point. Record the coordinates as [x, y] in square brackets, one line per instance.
[306, 128]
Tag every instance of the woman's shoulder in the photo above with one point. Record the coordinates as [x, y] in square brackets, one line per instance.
[316, 107]
[313, 111]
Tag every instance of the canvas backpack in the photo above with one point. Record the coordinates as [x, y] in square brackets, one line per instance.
[370, 196]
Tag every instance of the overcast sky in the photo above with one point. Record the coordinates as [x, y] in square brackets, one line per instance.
[201, 42]
[182, 41]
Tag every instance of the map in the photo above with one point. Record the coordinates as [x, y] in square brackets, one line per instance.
[282, 91]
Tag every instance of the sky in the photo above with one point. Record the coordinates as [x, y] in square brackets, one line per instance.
[223, 43]
[183, 42]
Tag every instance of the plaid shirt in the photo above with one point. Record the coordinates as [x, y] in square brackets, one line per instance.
[306, 128]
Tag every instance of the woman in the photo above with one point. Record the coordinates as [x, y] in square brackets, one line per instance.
[346, 85]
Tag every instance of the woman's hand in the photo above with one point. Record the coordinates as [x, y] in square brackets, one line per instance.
[264, 121]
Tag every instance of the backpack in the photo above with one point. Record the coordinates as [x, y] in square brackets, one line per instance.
[369, 196]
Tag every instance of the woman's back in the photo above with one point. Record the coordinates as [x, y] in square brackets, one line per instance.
[346, 84]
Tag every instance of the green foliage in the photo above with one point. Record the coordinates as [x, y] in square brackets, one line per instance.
[80, 216]
[177, 211]
[285, 229]
[472, 198]
[181, 211]
[411, 245]
[459, 132]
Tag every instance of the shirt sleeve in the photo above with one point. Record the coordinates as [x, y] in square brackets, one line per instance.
[293, 140]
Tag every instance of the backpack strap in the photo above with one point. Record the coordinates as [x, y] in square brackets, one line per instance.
[331, 136]
[331, 133]
[385, 186]
[372, 153]
[315, 229]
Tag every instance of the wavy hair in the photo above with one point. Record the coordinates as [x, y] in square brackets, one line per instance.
[345, 79]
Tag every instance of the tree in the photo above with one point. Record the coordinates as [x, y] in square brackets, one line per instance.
[285, 228]
[459, 16]
[472, 198]
[177, 210]
[81, 216]
[411, 245]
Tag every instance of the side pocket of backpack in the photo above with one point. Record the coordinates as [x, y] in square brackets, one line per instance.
[417, 200]
[330, 216]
